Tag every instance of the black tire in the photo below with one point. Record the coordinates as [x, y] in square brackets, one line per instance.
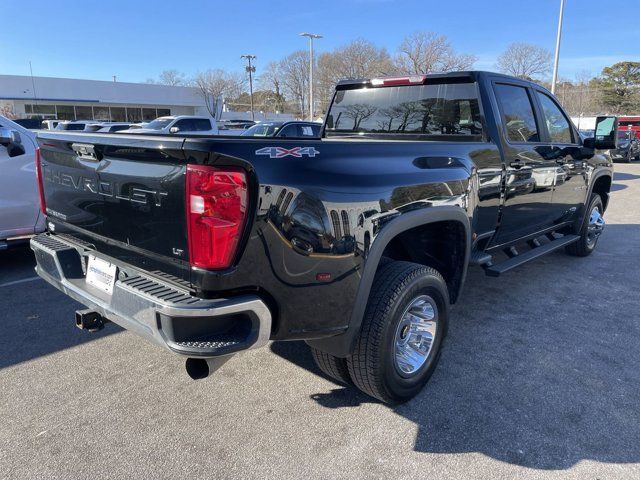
[372, 366]
[584, 247]
[333, 367]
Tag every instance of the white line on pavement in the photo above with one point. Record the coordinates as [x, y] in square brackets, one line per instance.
[16, 282]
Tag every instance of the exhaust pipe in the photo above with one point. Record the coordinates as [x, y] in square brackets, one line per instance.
[199, 368]
[90, 320]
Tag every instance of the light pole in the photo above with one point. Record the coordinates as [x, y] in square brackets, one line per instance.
[311, 36]
[557, 55]
[251, 69]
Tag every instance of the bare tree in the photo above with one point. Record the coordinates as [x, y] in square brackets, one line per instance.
[358, 59]
[215, 85]
[525, 60]
[294, 69]
[271, 80]
[428, 52]
[172, 77]
[359, 112]
[169, 77]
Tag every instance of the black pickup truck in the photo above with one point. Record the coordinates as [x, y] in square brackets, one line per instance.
[356, 242]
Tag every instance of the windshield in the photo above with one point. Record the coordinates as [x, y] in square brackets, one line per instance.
[158, 124]
[262, 130]
[445, 111]
[624, 135]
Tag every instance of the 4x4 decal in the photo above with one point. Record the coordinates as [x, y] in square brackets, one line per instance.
[280, 152]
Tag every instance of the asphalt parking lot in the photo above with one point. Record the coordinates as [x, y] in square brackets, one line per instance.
[539, 379]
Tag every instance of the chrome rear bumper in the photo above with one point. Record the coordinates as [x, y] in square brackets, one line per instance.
[156, 310]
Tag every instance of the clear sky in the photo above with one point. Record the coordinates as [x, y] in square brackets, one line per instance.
[137, 39]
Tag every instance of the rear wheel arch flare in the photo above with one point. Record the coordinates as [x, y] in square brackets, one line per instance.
[440, 245]
[342, 345]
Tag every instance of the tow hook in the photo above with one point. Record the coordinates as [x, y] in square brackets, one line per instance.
[90, 320]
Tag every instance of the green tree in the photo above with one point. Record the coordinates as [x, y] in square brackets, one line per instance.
[619, 87]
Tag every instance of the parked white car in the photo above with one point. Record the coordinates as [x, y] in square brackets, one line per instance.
[50, 124]
[180, 124]
[77, 125]
[20, 215]
[107, 127]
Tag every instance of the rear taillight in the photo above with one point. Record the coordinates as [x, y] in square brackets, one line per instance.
[43, 204]
[216, 213]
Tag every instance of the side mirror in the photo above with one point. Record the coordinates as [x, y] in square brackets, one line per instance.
[605, 136]
[8, 136]
[174, 130]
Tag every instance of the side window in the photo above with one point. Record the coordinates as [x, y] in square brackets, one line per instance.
[557, 124]
[202, 124]
[185, 125]
[517, 113]
[289, 131]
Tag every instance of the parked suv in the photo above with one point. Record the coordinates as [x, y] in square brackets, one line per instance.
[284, 129]
[181, 124]
[628, 147]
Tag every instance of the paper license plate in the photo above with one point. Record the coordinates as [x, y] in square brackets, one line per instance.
[101, 274]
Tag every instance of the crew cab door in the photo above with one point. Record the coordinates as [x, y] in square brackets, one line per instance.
[563, 142]
[19, 201]
[529, 170]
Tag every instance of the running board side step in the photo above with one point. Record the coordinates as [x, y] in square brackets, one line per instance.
[513, 262]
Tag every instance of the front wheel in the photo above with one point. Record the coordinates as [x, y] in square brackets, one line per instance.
[402, 332]
[591, 229]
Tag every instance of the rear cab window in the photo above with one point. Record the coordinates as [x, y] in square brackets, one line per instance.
[517, 113]
[442, 111]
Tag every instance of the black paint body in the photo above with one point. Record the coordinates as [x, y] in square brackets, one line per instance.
[316, 226]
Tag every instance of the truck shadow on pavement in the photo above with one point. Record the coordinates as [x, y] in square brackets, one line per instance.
[540, 368]
[36, 319]
[621, 176]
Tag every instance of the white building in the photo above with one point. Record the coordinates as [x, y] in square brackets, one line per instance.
[71, 99]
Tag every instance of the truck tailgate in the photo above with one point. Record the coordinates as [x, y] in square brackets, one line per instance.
[120, 191]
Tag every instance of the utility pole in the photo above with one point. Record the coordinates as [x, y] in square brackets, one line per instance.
[311, 36]
[33, 84]
[251, 69]
[557, 55]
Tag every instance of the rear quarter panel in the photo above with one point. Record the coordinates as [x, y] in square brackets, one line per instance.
[316, 217]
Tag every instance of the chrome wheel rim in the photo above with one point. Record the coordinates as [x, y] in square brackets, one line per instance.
[415, 335]
[595, 227]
